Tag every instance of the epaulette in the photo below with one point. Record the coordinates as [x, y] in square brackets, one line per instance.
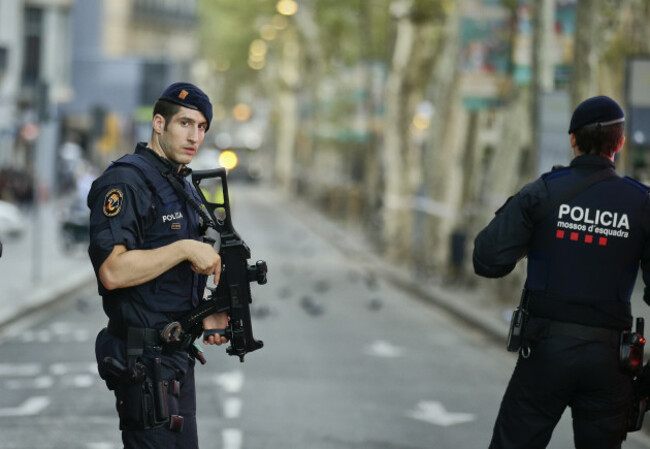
[556, 171]
[642, 187]
[137, 162]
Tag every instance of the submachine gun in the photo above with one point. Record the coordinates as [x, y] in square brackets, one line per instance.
[232, 294]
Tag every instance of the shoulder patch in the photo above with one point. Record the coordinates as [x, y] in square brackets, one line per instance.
[642, 187]
[113, 202]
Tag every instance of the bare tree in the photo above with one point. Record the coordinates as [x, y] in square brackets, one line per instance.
[588, 36]
[413, 59]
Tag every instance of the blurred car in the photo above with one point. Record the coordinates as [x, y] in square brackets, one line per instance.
[75, 226]
[12, 220]
[241, 163]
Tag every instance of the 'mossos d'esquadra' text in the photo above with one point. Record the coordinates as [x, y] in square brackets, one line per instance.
[596, 221]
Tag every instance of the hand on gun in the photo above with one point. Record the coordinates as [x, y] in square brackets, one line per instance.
[214, 324]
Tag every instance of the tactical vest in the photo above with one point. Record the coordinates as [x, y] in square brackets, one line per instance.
[179, 288]
[587, 250]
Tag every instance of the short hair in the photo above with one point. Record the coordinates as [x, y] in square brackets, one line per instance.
[600, 140]
[166, 109]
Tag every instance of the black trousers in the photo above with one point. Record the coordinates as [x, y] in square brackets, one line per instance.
[565, 371]
[176, 366]
[162, 437]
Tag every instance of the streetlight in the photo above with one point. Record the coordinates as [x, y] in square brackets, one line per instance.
[287, 7]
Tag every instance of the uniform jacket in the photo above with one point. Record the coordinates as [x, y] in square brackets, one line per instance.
[132, 204]
[584, 256]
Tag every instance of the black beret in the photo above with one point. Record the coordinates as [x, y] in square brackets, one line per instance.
[189, 96]
[599, 110]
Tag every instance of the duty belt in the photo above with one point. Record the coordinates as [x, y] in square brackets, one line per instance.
[150, 337]
[147, 337]
[137, 338]
[582, 332]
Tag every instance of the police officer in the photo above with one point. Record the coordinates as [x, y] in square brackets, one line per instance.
[151, 268]
[585, 231]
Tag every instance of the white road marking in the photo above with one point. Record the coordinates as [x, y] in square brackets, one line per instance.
[60, 332]
[231, 382]
[382, 348]
[60, 369]
[232, 408]
[44, 336]
[62, 327]
[37, 383]
[81, 335]
[80, 380]
[435, 413]
[30, 407]
[28, 376]
[17, 369]
[101, 445]
[232, 438]
[27, 338]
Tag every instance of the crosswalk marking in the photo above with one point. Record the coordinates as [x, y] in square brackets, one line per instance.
[434, 412]
[19, 369]
[32, 406]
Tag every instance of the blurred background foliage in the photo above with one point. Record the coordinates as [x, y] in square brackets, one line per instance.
[416, 119]
[409, 121]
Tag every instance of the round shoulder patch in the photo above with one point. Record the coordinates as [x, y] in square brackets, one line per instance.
[113, 202]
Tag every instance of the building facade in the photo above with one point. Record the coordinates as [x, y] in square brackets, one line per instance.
[124, 53]
[88, 71]
[35, 80]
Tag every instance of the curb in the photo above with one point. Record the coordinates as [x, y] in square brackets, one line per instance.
[474, 316]
[48, 295]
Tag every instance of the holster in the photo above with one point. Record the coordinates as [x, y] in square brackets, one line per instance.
[631, 362]
[140, 391]
[637, 413]
[518, 324]
[631, 349]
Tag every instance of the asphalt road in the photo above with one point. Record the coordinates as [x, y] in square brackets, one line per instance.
[349, 362]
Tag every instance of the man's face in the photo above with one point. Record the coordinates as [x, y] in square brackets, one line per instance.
[183, 135]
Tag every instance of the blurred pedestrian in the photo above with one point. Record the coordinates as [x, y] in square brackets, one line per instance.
[151, 268]
[585, 231]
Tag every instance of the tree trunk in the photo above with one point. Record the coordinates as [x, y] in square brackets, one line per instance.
[503, 178]
[584, 75]
[445, 177]
[314, 68]
[410, 72]
[543, 70]
[287, 112]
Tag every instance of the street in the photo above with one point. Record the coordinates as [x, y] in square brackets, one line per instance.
[349, 361]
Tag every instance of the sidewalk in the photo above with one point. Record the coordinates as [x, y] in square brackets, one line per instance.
[35, 272]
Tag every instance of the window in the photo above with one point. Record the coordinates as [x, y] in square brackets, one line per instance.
[33, 40]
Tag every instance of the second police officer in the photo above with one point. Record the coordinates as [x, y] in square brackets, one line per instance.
[585, 231]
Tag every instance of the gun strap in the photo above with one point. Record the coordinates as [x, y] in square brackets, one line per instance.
[552, 203]
[165, 169]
